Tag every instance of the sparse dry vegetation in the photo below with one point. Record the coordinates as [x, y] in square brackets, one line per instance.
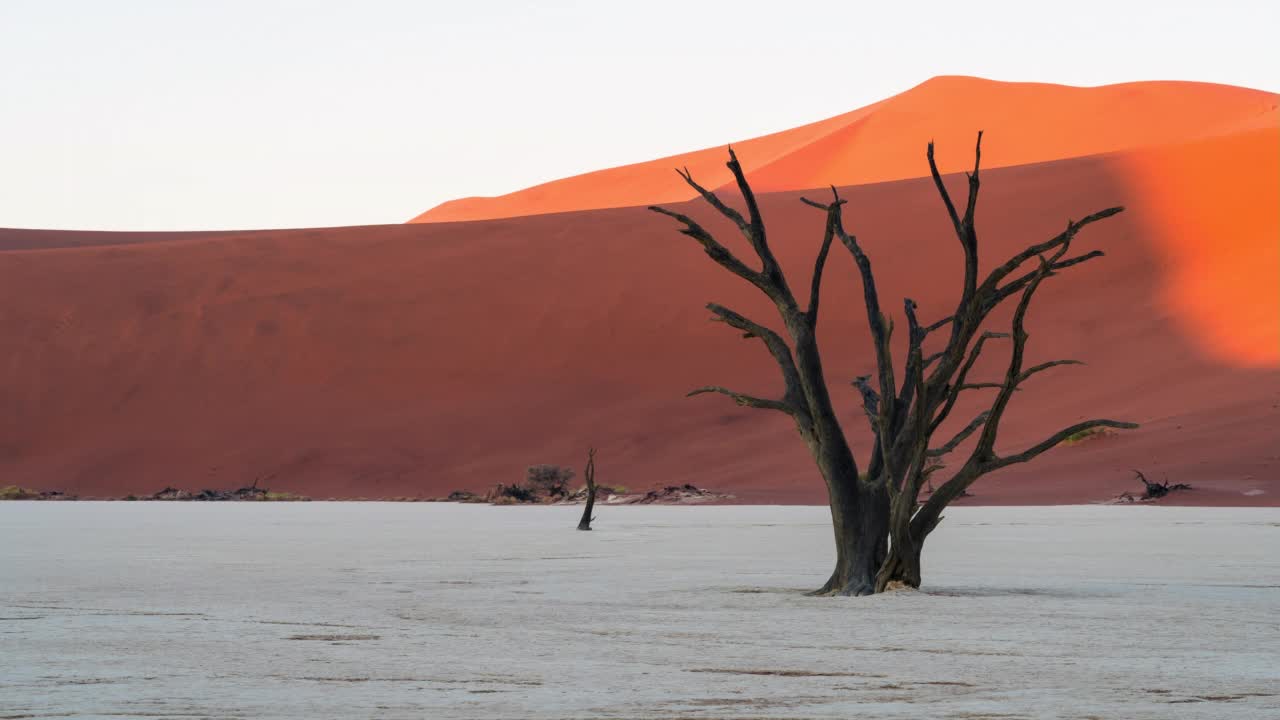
[543, 484]
[16, 492]
[13, 492]
[252, 493]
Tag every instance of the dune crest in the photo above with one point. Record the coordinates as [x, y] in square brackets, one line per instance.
[1027, 123]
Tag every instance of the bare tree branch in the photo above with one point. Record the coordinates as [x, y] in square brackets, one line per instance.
[1064, 237]
[714, 201]
[969, 233]
[1055, 439]
[753, 212]
[769, 278]
[972, 204]
[1015, 286]
[961, 436]
[755, 233]
[881, 330]
[986, 442]
[1045, 366]
[815, 289]
[870, 401]
[939, 324]
[964, 227]
[913, 373]
[773, 341]
[942, 191]
[954, 391]
[715, 250]
[979, 386]
[749, 327]
[746, 400]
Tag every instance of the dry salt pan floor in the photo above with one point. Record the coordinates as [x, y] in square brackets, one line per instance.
[370, 610]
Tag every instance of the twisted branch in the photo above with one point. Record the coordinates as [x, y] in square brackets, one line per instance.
[746, 400]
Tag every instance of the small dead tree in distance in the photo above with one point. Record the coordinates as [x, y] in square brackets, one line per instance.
[590, 473]
[879, 523]
[1158, 490]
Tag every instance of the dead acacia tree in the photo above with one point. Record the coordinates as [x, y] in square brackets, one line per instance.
[880, 524]
[590, 473]
[1158, 490]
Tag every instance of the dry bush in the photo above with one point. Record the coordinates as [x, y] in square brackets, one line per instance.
[548, 480]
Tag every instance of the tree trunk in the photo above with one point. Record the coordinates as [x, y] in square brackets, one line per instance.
[859, 518]
[902, 567]
[590, 473]
[913, 525]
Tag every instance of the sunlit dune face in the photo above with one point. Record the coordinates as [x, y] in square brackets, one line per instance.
[1203, 161]
[1027, 123]
[1213, 209]
[648, 182]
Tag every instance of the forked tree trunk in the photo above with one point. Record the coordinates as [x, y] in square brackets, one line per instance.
[590, 473]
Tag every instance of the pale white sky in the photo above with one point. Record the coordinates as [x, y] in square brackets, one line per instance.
[169, 114]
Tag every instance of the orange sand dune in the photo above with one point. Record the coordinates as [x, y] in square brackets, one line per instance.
[1034, 123]
[411, 360]
[13, 239]
[647, 182]
[1216, 207]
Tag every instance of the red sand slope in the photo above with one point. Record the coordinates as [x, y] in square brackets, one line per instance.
[1033, 122]
[416, 359]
